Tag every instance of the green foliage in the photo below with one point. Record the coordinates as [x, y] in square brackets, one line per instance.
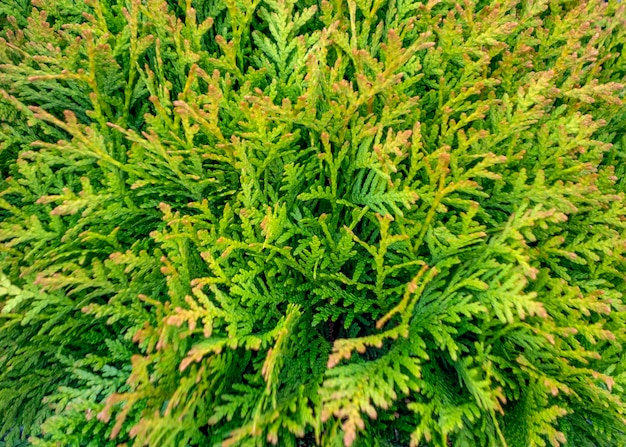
[360, 222]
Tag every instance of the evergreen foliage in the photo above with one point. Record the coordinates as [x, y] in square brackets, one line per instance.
[335, 223]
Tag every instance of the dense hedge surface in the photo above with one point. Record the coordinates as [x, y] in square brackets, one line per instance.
[335, 223]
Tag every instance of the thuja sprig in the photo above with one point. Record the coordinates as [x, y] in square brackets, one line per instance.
[312, 223]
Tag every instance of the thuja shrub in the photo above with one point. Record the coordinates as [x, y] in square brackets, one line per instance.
[335, 223]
